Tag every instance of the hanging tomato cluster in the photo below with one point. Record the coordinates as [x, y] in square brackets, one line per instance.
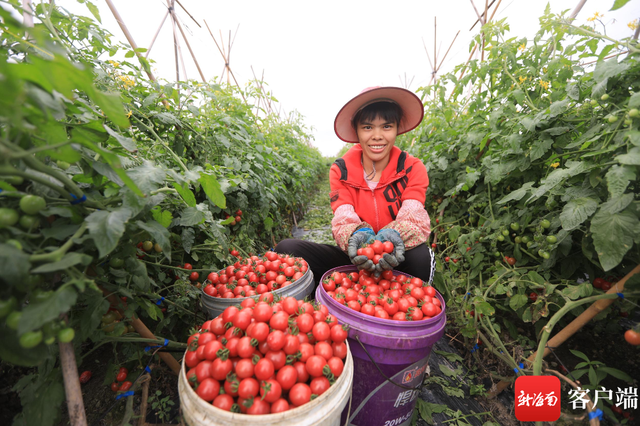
[266, 357]
[398, 297]
[255, 275]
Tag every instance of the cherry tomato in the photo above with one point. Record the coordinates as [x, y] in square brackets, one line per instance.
[125, 386]
[632, 337]
[300, 394]
[287, 377]
[208, 389]
[85, 376]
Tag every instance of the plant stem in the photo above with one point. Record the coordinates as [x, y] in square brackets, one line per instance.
[165, 145]
[56, 255]
[490, 205]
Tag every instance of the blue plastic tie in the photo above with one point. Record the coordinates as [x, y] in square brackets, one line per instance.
[1, 189]
[77, 200]
[124, 395]
[147, 369]
[148, 348]
[521, 365]
[159, 301]
[475, 348]
[620, 295]
[598, 413]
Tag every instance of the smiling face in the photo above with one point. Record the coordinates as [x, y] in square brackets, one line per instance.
[377, 137]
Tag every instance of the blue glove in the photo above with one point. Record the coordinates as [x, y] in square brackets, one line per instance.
[359, 238]
[393, 259]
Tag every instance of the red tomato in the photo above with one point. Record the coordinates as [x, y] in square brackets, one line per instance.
[339, 333]
[187, 266]
[85, 376]
[223, 402]
[279, 406]
[324, 350]
[378, 247]
[248, 388]
[208, 389]
[125, 386]
[305, 323]
[220, 368]
[368, 251]
[319, 385]
[388, 247]
[122, 376]
[335, 365]
[115, 386]
[264, 369]
[287, 377]
[270, 390]
[300, 394]
[259, 406]
[279, 321]
[244, 368]
[315, 364]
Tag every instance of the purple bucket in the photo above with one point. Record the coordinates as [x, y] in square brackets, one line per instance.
[398, 350]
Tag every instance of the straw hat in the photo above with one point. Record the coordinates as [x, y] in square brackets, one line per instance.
[411, 107]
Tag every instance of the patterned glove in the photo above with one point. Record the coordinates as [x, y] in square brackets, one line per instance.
[393, 259]
[359, 238]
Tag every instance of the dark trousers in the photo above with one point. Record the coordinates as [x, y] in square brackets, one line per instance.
[322, 257]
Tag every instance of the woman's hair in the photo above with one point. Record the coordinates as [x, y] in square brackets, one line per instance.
[390, 112]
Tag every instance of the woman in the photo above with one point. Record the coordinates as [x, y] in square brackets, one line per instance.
[377, 190]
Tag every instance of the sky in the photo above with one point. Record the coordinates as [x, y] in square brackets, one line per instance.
[315, 56]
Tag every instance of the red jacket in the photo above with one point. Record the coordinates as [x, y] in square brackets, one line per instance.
[404, 178]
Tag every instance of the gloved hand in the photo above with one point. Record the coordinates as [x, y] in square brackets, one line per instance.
[360, 237]
[393, 259]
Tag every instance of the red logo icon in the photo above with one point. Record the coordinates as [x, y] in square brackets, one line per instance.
[537, 398]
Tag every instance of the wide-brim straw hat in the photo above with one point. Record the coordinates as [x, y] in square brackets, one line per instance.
[413, 110]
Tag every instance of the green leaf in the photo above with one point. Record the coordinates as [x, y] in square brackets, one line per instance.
[106, 228]
[127, 143]
[268, 223]
[618, 178]
[188, 237]
[454, 233]
[616, 205]
[147, 176]
[634, 137]
[634, 100]
[14, 265]
[573, 292]
[617, 4]
[517, 301]
[94, 11]
[163, 217]
[485, 308]
[632, 158]
[448, 371]
[69, 260]
[186, 194]
[616, 373]
[539, 148]
[536, 277]
[36, 315]
[159, 234]
[613, 236]
[96, 306]
[60, 232]
[13, 353]
[559, 107]
[579, 354]
[517, 194]
[576, 211]
[211, 187]
[41, 400]
[191, 216]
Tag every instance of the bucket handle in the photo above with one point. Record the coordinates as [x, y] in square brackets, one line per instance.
[380, 371]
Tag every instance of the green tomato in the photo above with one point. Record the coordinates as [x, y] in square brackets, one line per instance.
[496, 253]
[515, 226]
[628, 122]
[147, 246]
[593, 102]
[545, 223]
[612, 119]
[505, 232]
[552, 239]
[31, 339]
[518, 240]
[7, 306]
[50, 340]
[529, 244]
[543, 254]
[32, 204]
[633, 112]
[13, 319]
[63, 164]
[604, 97]
[525, 239]
[8, 217]
[500, 238]
[116, 262]
[39, 296]
[29, 222]
[66, 335]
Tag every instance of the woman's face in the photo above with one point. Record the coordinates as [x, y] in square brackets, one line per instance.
[377, 138]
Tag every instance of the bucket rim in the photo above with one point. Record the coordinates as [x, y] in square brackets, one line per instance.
[375, 320]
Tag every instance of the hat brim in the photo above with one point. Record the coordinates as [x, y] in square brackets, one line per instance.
[411, 105]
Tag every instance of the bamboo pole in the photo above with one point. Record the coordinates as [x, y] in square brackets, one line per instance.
[153, 40]
[187, 12]
[175, 42]
[204, 80]
[27, 13]
[577, 10]
[575, 325]
[75, 404]
[478, 20]
[480, 17]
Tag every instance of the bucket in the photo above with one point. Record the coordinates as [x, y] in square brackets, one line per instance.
[390, 358]
[299, 289]
[325, 410]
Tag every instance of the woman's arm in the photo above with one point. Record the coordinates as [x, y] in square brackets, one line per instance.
[413, 223]
[344, 223]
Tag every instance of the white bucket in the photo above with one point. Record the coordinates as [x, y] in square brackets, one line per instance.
[300, 289]
[325, 410]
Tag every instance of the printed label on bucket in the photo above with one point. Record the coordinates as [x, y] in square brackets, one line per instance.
[386, 404]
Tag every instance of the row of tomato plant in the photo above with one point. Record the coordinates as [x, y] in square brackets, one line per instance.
[533, 157]
[112, 183]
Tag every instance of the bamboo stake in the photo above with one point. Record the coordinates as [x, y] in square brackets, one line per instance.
[193, 56]
[75, 404]
[187, 12]
[27, 13]
[480, 17]
[575, 325]
[175, 43]
[127, 34]
[478, 20]
[450, 46]
[144, 380]
[590, 406]
[495, 9]
[486, 4]
[157, 33]
[577, 10]
[435, 35]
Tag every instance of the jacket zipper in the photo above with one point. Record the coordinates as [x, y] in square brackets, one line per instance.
[375, 206]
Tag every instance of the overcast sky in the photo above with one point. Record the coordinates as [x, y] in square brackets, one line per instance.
[317, 55]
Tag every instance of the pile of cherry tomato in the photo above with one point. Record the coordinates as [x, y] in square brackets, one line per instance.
[121, 384]
[266, 357]
[255, 275]
[375, 250]
[398, 297]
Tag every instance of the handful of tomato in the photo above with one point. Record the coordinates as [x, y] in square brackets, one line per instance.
[255, 275]
[389, 296]
[266, 357]
[375, 250]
